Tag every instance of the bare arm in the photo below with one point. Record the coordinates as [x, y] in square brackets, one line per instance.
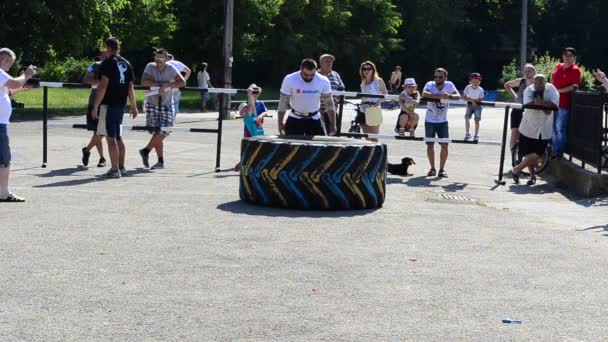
[188, 72]
[510, 85]
[101, 92]
[19, 82]
[331, 112]
[132, 100]
[89, 78]
[179, 82]
[383, 90]
[148, 81]
[283, 103]
[568, 89]
[429, 95]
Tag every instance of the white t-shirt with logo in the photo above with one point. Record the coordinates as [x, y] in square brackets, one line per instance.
[5, 101]
[472, 93]
[305, 96]
[437, 112]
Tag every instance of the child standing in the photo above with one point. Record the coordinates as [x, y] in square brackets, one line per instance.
[407, 121]
[473, 94]
[253, 114]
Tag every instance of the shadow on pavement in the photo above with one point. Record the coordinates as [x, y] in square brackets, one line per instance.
[598, 229]
[64, 172]
[81, 181]
[72, 182]
[592, 202]
[241, 207]
[427, 182]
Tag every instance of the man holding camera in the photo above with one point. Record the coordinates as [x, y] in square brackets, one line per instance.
[7, 58]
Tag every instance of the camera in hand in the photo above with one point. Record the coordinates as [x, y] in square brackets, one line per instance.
[33, 82]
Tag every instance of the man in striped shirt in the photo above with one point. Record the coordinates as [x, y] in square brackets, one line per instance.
[326, 64]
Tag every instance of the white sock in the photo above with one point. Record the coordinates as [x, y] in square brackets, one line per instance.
[4, 172]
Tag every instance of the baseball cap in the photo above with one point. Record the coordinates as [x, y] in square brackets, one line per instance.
[409, 82]
[571, 50]
[475, 75]
[241, 106]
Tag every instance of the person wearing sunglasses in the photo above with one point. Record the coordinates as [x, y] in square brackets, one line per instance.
[371, 83]
[436, 118]
[303, 90]
[159, 108]
[521, 84]
[566, 78]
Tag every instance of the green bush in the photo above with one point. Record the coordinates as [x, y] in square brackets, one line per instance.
[68, 70]
[545, 64]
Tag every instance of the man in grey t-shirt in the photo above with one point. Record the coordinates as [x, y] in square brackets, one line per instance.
[159, 108]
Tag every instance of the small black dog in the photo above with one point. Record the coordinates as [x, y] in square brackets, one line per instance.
[401, 169]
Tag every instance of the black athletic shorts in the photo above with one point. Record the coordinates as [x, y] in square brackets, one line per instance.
[516, 116]
[528, 145]
[303, 126]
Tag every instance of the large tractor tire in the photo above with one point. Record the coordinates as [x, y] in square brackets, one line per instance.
[326, 173]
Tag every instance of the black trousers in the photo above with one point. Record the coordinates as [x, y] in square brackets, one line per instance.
[295, 126]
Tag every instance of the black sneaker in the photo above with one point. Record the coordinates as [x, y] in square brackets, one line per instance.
[443, 174]
[85, 156]
[102, 162]
[144, 157]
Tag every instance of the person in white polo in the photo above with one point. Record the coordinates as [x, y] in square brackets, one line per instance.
[303, 91]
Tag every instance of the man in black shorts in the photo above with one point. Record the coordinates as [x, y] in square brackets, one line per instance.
[536, 128]
[92, 77]
[303, 90]
[115, 86]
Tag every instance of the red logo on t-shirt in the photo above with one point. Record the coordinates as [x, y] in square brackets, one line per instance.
[298, 91]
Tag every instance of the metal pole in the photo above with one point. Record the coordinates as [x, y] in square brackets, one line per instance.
[339, 116]
[224, 112]
[220, 122]
[523, 57]
[45, 119]
[227, 53]
[503, 147]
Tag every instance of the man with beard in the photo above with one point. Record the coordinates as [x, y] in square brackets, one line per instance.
[436, 119]
[303, 90]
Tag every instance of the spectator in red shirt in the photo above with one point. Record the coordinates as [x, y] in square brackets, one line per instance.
[566, 78]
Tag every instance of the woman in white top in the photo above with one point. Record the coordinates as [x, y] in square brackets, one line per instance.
[371, 83]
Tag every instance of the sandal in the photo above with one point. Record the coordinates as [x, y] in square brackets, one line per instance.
[443, 174]
[515, 177]
[13, 199]
[532, 181]
[432, 173]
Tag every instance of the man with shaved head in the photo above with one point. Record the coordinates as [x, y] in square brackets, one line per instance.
[536, 128]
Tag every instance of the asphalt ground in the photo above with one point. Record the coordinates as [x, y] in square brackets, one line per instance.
[173, 255]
